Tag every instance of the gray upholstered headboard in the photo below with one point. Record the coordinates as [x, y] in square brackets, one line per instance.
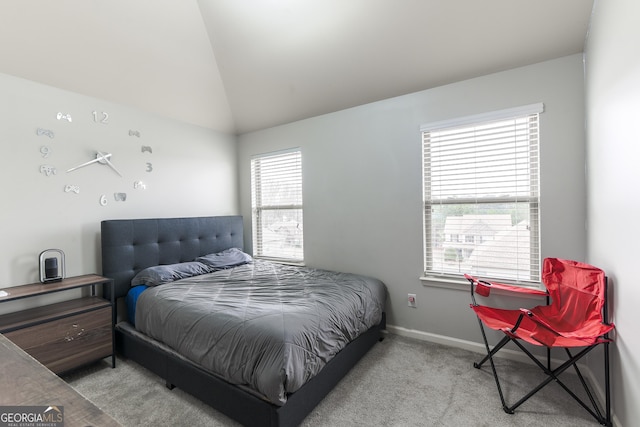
[131, 245]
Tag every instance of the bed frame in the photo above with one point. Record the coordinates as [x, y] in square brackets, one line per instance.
[128, 246]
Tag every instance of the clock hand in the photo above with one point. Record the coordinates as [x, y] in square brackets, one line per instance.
[98, 158]
[105, 157]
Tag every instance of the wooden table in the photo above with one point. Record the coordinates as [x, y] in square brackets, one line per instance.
[26, 382]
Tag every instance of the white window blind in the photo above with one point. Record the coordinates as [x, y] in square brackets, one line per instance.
[481, 196]
[276, 192]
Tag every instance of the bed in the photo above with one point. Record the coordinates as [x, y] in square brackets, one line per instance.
[168, 336]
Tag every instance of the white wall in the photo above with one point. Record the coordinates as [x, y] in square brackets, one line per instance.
[362, 183]
[613, 149]
[194, 173]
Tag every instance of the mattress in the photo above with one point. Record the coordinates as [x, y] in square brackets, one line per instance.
[267, 326]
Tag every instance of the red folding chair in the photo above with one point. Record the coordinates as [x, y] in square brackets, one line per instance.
[575, 317]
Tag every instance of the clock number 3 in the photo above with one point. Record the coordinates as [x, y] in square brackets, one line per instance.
[149, 167]
[101, 117]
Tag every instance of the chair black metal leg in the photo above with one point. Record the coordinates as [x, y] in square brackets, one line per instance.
[594, 405]
[607, 385]
[552, 375]
[490, 353]
[504, 341]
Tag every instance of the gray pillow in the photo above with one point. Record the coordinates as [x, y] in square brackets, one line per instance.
[159, 274]
[225, 259]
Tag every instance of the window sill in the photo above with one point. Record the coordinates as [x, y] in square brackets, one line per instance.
[282, 261]
[445, 282]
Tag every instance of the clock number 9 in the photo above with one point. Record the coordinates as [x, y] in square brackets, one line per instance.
[103, 120]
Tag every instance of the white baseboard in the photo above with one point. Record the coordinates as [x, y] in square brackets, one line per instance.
[476, 347]
[504, 353]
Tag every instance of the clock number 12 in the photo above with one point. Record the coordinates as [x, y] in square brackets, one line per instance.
[101, 117]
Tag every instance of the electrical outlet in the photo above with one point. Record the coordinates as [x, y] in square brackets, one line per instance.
[411, 300]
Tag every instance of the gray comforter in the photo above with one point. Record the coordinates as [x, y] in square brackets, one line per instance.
[267, 326]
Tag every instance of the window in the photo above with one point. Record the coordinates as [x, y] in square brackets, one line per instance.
[276, 202]
[481, 179]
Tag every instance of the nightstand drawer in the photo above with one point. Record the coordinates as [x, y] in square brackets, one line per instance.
[69, 342]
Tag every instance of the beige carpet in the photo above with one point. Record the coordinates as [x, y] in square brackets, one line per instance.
[400, 382]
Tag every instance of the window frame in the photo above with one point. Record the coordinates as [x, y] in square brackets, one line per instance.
[535, 262]
[259, 208]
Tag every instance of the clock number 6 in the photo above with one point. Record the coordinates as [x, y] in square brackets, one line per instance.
[103, 120]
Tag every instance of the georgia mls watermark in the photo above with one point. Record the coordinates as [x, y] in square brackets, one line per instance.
[31, 416]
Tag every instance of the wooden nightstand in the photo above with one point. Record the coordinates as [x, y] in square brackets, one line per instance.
[65, 335]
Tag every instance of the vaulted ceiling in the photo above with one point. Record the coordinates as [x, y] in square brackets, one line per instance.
[242, 65]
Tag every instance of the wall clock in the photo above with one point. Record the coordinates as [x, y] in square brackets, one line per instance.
[99, 159]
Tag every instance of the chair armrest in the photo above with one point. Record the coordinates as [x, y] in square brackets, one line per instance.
[484, 288]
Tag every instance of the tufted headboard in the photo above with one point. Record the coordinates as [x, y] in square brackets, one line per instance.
[131, 245]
